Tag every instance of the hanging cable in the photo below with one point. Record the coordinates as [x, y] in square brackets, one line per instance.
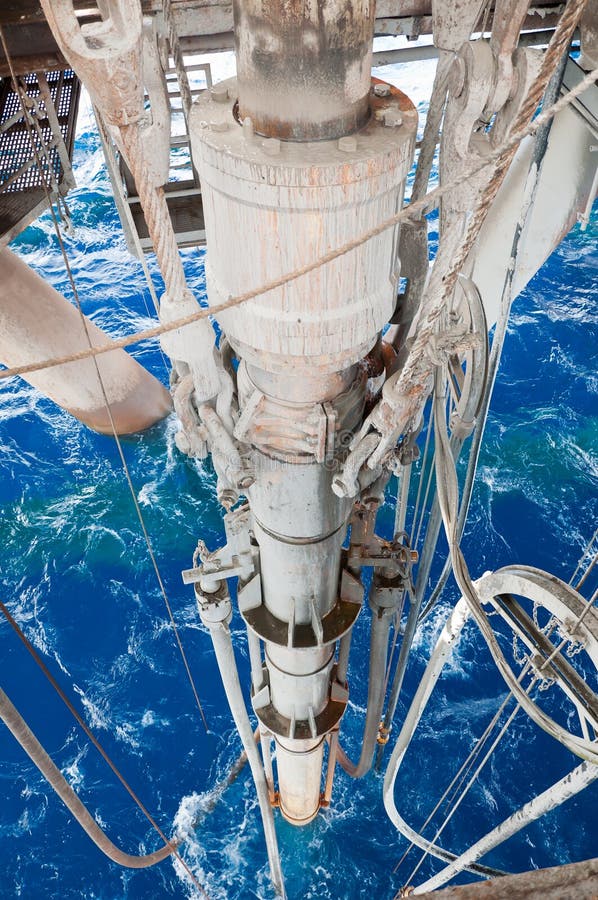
[429, 201]
[32, 747]
[108, 409]
[448, 500]
[109, 412]
[539, 148]
[459, 776]
[582, 562]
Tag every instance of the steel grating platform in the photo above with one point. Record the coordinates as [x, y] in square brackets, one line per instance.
[22, 194]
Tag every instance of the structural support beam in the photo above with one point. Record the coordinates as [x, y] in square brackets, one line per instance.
[37, 323]
[574, 882]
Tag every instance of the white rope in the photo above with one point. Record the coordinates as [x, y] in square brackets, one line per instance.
[410, 211]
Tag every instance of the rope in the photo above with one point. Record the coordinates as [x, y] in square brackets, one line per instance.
[411, 386]
[459, 799]
[155, 211]
[80, 721]
[119, 446]
[506, 299]
[36, 753]
[424, 463]
[463, 769]
[113, 427]
[410, 211]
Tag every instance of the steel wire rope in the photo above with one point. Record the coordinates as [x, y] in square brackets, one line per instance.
[506, 300]
[425, 500]
[587, 572]
[426, 852]
[424, 464]
[587, 552]
[428, 202]
[120, 450]
[397, 629]
[411, 385]
[77, 716]
[459, 776]
[105, 140]
[459, 797]
[461, 773]
[448, 500]
[172, 851]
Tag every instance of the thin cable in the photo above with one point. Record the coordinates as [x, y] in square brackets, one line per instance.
[82, 723]
[458, 798]
[424, 463]
[413, 209]
[587, 572]
[539, 149]
[425, 500]
[109, 412]
[448, 501]
[466, 789]
[580, 564]
[464, 768]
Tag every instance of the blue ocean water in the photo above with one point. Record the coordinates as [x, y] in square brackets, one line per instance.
[76, 575]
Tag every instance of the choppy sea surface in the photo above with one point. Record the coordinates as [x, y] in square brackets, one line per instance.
[76, 575]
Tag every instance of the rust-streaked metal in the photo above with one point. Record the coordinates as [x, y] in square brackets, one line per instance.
[304, 68]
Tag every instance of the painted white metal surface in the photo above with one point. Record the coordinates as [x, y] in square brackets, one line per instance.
[272, 206]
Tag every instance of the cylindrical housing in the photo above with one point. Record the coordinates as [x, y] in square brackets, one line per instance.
[295, 695]
[271, 208]
[299, 777]
[303, 67]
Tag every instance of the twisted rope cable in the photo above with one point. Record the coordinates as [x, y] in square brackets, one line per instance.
[410, 211]
[412, 386]
[157, 216]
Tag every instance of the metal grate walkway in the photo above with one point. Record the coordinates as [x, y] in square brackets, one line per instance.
[54, 99]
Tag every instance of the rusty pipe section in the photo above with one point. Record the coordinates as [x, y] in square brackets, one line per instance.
[36, 323]
[304, 67]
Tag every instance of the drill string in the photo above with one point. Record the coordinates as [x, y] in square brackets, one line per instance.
[413, 210]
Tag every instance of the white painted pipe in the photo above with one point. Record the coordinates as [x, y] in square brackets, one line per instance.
[567, 787]
[37, 323]
[216, 618]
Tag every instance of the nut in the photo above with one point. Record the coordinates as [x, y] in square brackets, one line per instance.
[219, 93]
[347, 144]
[392, 118]
[382, 90]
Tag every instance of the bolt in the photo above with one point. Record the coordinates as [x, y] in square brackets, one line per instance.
[392, 118]
[382, 90]
[219, 93]
[248, 130]
[271, 146]
[347, 144]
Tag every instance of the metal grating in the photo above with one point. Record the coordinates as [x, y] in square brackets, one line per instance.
[21, 182]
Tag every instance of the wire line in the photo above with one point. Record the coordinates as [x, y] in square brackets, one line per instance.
[109, 412]
[413, 209]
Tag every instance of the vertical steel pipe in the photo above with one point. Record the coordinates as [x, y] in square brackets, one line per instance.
[304, 68]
